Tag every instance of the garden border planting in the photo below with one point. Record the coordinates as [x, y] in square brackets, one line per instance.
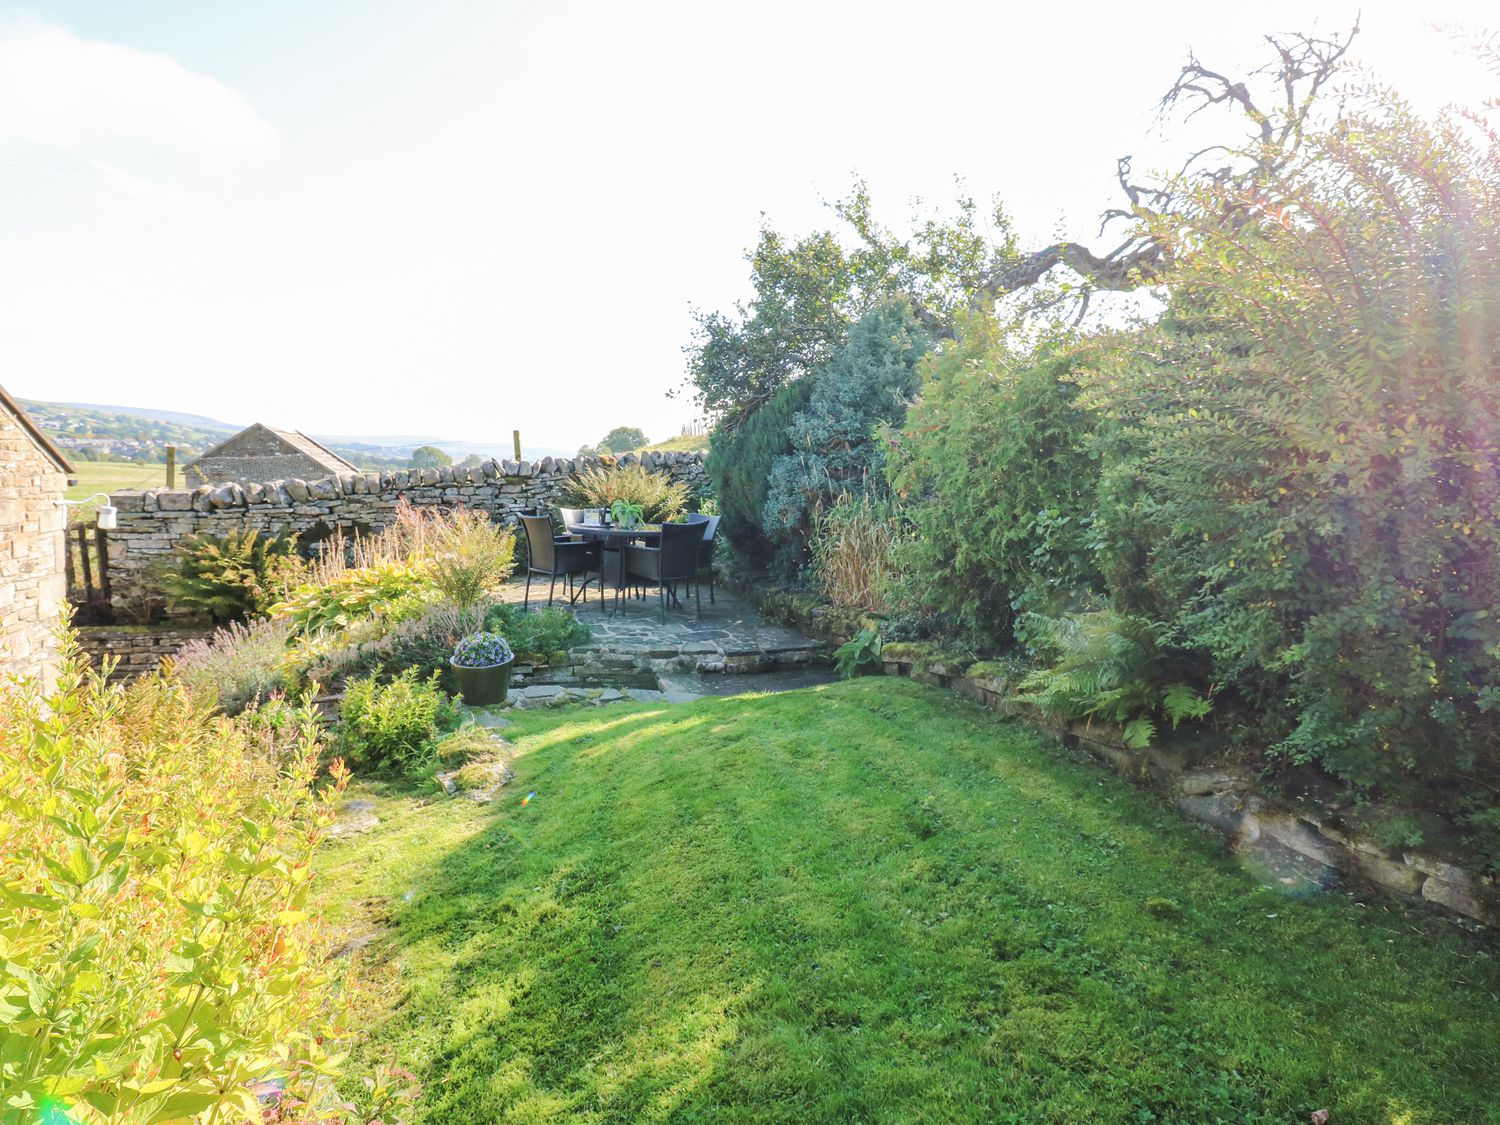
[1223, 796]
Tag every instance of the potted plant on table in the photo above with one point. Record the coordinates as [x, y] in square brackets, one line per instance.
[626, 514]
[481, 664]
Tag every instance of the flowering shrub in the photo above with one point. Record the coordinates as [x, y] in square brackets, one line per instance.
[237, 664]
[424, 644]
[160, 957]
[482, 650]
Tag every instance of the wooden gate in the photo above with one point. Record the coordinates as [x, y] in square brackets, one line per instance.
[86, 562]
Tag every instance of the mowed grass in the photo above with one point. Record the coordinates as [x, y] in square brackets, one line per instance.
[875, 902]
[112, 476]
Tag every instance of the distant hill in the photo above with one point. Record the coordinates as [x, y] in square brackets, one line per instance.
[196, 421]
[107, 433]
[95, 432]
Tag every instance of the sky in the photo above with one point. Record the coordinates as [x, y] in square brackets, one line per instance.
[456, 219]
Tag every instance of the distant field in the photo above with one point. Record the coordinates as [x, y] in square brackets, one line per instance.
[108, 476]
[685, 443]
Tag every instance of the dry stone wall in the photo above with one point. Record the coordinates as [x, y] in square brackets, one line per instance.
[153, 522]
[134, 649]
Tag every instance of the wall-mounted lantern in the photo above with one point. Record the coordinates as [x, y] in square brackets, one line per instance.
[107, 511]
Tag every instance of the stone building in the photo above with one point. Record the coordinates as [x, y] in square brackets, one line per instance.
[259, 453]
[34, 475]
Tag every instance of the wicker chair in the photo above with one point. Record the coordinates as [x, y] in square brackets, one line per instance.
[706, 551]
[559, 558]
[676, 560]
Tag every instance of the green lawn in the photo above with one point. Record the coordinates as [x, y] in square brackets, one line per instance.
[875, 902]
[111, 476]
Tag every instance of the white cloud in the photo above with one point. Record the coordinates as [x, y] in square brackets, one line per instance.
[87, 98]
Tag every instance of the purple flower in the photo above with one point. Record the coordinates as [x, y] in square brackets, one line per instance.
[482, 650]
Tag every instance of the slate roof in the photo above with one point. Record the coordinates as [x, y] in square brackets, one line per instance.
[261, 453]
[37, 434]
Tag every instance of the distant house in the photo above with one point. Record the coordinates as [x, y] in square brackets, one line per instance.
[259, 453]
[34, 475]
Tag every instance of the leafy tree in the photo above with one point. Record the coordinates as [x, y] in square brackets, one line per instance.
[429, 457]
[622, 439]
[834, 449]
[810, 292]
[472, 461]
[739, 464]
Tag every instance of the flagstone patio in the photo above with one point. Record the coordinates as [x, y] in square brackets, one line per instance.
[634, 654]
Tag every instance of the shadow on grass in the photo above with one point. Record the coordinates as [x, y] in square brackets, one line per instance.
[874, 902]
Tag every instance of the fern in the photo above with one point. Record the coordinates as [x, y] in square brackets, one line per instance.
[231, 577]
[1139, 733]
[1108, 666]
[1182, 702]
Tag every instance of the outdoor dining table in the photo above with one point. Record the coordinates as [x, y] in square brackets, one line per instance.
[613, 537]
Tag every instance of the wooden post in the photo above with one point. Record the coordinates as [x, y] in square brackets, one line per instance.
[171, 466]
[516, 435]
[101, 541]
[88, 570]
[68, 567]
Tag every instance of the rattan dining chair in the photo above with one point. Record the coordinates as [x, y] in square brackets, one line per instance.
[559, 558]
[676, 560]
[706, 551]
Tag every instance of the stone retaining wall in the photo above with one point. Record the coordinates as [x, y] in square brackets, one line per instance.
[152, 522]
[138, 648]
[1290, 842]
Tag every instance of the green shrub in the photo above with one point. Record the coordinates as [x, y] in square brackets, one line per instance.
[394, 591]
[600, 486]
[860, 655]
[395, 726]
[1309, 492]
[230, 577]
[471, 556]
[236, 665]
[834, 448]
[161, 954]
[739, 462]
[539, 633]
[997, 471]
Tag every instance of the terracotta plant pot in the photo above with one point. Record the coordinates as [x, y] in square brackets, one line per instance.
[483, 687]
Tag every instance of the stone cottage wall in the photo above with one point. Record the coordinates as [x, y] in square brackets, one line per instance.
[33, 586]
[151, 523]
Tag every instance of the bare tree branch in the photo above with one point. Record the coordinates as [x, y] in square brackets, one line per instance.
[1302, 66]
